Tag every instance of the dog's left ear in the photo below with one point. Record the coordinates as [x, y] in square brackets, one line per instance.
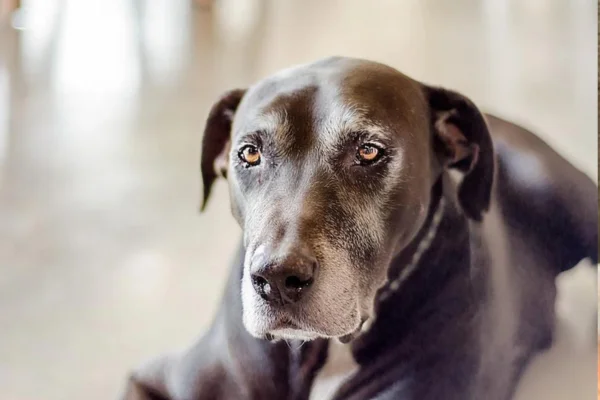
[462, 141]
[216, 140]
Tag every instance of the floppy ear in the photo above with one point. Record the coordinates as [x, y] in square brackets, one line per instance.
[462, 141]
[216, 140]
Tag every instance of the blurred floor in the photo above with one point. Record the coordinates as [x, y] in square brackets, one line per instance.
[104, 259]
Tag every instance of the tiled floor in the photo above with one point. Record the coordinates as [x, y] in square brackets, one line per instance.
[104, 259]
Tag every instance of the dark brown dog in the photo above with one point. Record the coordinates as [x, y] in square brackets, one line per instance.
[354, 228]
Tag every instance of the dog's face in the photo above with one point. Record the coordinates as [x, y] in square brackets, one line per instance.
[330, 167]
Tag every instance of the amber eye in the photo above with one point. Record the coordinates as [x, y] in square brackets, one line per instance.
[368, 153]
[250, 155]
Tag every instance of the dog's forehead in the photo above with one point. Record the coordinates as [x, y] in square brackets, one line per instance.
[332, 95]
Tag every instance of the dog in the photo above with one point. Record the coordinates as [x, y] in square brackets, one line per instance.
[397, 243]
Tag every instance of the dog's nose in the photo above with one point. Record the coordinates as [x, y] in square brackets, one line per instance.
[287, 280]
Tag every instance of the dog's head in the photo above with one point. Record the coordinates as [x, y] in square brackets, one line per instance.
[330, 168]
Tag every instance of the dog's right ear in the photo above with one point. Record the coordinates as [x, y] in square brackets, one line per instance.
[216, 140]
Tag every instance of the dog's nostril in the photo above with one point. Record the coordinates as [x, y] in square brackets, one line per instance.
[294, 282]
[262, 287]
[259, 281]
[285, 281]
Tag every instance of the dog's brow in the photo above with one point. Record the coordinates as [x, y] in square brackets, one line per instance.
[344, 120]
[271, 122]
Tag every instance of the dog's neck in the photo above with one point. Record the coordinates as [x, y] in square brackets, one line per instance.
[400, 270]
[420, 276]
[405, 264]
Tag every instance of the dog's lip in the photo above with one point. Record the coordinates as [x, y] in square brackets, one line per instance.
[285, 325]
[347, 338]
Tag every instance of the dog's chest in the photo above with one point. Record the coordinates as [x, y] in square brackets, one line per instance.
[339, 366]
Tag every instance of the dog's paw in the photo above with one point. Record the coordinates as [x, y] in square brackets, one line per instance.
[136, 391]
[149, 380]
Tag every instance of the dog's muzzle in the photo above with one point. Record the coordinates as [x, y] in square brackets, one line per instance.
[283, 279]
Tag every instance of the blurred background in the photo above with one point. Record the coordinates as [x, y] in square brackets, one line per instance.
[104, 258]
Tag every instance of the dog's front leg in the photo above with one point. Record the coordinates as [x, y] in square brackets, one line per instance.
[149, 382]
[136, 391]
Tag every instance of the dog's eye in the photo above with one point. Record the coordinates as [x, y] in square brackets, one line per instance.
[250, 155]
[368, 154]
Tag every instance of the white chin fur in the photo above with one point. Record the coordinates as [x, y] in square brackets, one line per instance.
[294, 334]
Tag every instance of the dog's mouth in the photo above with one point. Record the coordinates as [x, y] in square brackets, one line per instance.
[290, 330]
[288, 327]
[286, 323]
[353, 335]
